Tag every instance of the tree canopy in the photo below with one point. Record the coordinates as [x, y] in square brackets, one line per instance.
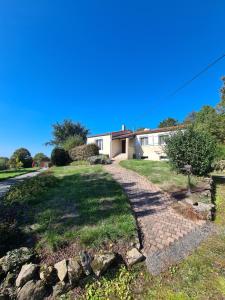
[22, 155]
[169, 122]
[62, 131]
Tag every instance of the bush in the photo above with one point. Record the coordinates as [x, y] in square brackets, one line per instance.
[22, 155]
[219, 165]
[72, 142]
[31, 190]
[99, 159]
[39, 158]
[84, 152]
[59, 157]
[220, 152]
[191, 147]
[4, 163]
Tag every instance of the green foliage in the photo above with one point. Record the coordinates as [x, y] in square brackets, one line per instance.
[39, 158]
[220, 152]
[22, 155]
[4, 163]
[99, 159]
[15, 163]
[117, 287]
[83, 152]
[190, 118]
[191, 147]
[219, 166]
[221, 106]
[169, 122]
[9, 233]
[30, 190]
[72, 142]
[61, 132]
[59, 157]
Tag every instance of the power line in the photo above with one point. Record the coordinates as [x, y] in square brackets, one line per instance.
[197, 75]
[191, 80]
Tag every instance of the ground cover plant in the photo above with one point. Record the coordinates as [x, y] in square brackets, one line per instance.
[80, 204]
[6, 174]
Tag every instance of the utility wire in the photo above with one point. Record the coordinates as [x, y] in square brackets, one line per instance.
[191, 80]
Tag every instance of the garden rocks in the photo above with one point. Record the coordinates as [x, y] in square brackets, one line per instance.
[133, 256]
[27, 273]
[49, 275]
[85, 260]
[16, 258]
[101, 263]
[61, 268]
[204, 211]
[75, 270]
[61, 288]
[33, 291]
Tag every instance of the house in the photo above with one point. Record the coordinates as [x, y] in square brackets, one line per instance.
[127, 144]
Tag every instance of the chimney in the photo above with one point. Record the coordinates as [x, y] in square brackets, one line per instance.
[123, 127]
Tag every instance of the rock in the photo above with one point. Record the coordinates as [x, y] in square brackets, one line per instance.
[8, 293]
[60, 288]
[204, 211]
[61, 268]
[85, 260]
[133, 256]
[27, 273]
[7, 289]
[9, 280]
[33, 291]
[16, 258]
[49, 275]
[101, 262]
[75, 270]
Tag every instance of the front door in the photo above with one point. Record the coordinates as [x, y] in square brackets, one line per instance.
[123, 146]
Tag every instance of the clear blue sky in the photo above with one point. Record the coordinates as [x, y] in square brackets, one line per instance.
[103, 63]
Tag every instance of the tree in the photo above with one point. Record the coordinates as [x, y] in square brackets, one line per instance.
[61, 132]
[4, 163]
[190, 118]
[39, 158]
[169, 122]
[59, 157]
[191, 147]
[15, 163]
[72, 142]
[23, 156]
[221, 105]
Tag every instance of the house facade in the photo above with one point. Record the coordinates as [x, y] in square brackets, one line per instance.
[127, 144]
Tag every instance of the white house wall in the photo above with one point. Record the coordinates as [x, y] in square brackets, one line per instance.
[106, 143]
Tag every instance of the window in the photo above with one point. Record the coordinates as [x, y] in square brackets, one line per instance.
[144, 141]
[99, 143]
[162, 139]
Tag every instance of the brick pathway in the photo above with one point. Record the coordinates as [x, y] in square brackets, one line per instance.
[167, 237]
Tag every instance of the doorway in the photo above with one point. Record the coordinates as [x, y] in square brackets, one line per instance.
[123, 146]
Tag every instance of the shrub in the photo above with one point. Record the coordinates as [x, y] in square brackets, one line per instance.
[39, 158]
[99, 159]
[31, 190]
[191, 147]
[219, 165]
[4, 163]
[220, 152]
[84, 152]
[59, 157]
[72, 142]
[23, 156]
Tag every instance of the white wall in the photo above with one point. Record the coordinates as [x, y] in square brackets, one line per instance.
[153, 151]
[106, 143]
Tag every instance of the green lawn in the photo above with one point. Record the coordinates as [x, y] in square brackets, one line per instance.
[85, 206]
[160, 173]
[6, 174]
[201, 276]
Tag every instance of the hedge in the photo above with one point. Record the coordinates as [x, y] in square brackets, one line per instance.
[83, 152]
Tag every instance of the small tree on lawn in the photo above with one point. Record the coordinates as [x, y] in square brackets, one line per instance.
[191, 147]
[23, 156]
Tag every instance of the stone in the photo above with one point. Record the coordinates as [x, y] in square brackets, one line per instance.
[85, 260]
[7, 289]
[27, 273]
[75, 270]
[204, 211]
[16, 258]
[101, 262]
[49, 275]
[61, 268]
[133, 256]
[9, 280]
[60, 288]
[33, 290]
[8, 293]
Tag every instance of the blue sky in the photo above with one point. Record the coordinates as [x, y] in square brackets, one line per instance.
[103, 63]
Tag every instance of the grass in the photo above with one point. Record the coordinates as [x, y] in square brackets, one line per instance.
[6, 174]
[200, 276]
[160, 173]
[86, 206]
